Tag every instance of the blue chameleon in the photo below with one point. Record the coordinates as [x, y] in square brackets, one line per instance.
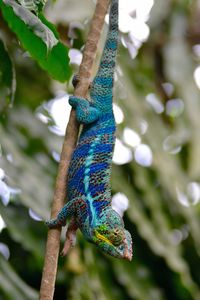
[88, 186]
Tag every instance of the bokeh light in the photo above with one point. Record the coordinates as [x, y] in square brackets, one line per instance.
[120, 203]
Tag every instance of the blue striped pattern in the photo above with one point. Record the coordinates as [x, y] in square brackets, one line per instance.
[96, 143]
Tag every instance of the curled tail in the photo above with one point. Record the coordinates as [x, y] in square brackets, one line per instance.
[103, 82]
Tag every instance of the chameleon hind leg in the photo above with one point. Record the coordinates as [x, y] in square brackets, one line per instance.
[85, 113]
[64, 213]
[70, 239]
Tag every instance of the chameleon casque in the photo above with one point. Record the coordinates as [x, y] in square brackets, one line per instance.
[88, 187]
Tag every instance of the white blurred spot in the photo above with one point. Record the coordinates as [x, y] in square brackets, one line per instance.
[60, 109]
[9, 157]
[2, 224]
[75, 56]
[4, 250]
[171, 145]
[34, 215]
[143, 9]
[125, 22]
[131, 137]
[139, 30]
[193, 191]
[169, 88]
[185, 231]
[2, 174]
[192, 195]
[132, 20]
[120, 203]
[143, 155]
[131, 45]
[42, 117]
[182, 198]
[176, 237]
[196, 50]
[4, 193]
[122, 154]
[134, 41]
[197, 76]
[118, 113]
[143, 126]
[174, 107]
[132, 51]
[155, 103]
[56, 155]
[127, 6]
[55, 113]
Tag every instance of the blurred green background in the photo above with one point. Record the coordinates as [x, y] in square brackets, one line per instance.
[156, 167]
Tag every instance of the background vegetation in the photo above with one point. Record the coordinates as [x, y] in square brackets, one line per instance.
[158, 170]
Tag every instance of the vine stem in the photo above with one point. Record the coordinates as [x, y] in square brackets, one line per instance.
[70, 140]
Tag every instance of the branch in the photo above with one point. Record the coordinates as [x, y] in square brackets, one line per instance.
[70, 140]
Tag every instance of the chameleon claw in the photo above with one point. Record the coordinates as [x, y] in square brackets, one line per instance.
[76, 80]
[52, 224]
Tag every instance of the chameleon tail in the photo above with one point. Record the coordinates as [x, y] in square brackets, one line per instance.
[107, 64]
[103, 82]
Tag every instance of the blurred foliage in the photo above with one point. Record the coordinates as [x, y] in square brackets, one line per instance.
[163, 215]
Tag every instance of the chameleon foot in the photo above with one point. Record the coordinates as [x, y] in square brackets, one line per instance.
[85, 113]
[70, 240]
[55, 223]
[52, 223]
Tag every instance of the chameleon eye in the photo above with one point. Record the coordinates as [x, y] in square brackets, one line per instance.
[116, 236]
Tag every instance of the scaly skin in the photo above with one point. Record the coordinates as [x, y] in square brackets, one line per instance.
[89, 191]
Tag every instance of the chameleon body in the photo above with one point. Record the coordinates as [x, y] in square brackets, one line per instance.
[89, 191]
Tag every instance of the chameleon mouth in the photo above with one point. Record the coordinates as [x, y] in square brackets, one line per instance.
[127, 252]
[128, 255]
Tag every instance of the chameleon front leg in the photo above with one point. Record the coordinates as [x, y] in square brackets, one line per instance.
[64, 213]
[85, 113]
[70, 239]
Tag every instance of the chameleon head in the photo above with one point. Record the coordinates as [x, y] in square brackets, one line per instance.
[114, 241]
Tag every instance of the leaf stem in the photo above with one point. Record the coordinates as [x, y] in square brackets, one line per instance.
[70, 140]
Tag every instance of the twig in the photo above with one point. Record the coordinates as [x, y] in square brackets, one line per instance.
[70, 140]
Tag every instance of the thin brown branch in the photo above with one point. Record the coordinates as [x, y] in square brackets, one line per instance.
[70, 140]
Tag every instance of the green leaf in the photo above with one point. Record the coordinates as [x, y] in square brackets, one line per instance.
[31, 21]
[33, 5]
[38, 38]
[7, 77]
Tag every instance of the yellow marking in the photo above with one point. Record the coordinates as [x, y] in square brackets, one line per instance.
[103, 238]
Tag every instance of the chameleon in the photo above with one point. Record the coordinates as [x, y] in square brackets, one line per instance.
[88, 185]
